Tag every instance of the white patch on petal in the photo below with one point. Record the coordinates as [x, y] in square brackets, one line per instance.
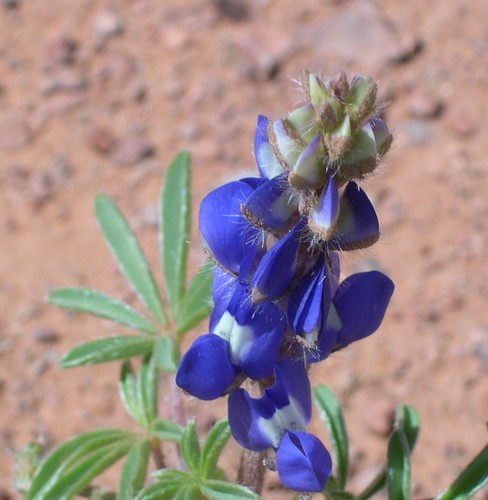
[241, 340]
[333, 320]
[225, 325]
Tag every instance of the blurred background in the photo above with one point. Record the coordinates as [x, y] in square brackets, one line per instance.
[98, 95]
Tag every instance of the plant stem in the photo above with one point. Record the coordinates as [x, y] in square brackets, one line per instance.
[251, 468]
[157, 453]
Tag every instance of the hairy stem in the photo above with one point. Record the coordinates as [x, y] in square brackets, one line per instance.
[157, 454]
[251, 468]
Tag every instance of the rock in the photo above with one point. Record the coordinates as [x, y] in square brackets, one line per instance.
[415, 133]
[107, 24]
[424, 104]
[62, 79]
[101, 140]
[45, 335]
[61, 51]
[359, 33]
[14, 134]
[378, 415]
[131, 150]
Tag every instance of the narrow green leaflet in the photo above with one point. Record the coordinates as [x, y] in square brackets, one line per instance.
[197, 302]
[77, 461]
[330, 413]
[407, 419]
[128, 391]
[167, 353]
[217, 438]
[99, 304]
[221, 490]
[147, 389]
[175, 227]
[108, 349]
[166, 430]
[189, 447]
[170, 481]
[472, 479]
[134, 472]
[128, 254]
[398, 467]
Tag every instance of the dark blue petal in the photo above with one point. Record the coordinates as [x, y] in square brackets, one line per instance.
[205, 370]
[323, 216]
[245, 416]
[223, 229]
[305, 305]
[292, 386]
[334, 268]
[267, 163]
[277, 268]
[303, 462]
[361, 303]
[272, 205]
[327, 337]
[357, 225]
[254, 333]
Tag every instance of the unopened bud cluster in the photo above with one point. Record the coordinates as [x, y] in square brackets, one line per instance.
[279, 304]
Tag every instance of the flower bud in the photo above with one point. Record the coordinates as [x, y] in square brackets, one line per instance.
[339, 140]
[382, 135]
[361, 98]
[308, 171]
[323, 216]
[315, 90]
[285, 143]
[303, 121]
[361, 158]
[263, 152]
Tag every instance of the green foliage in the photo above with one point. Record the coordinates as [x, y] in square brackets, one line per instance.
[398, 468]
[134, 472]
[331, 414]
[73, 465]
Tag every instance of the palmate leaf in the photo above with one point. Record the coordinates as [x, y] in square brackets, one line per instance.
[167, 353]
[217, 438]
[189, 447]
[134, 471]
[99, 304]
[169, 482]
[221, 490]
[197, 302]
[330, 413]
[471, 480]
[74, 464]
[166, 430]
[107, 349]
[128, 391]
[128, 254]
[398, 467]
[175, 225]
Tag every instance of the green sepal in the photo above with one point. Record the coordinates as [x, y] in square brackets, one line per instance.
[216, 440]
[167, 353]
[189, 447]
[398, 467]
[99, 304]
[74, 464]
[197, 302]
[107, 349]
[175, 214]
[471, 479]
[134, 471]
[128, 254]
[331, 414]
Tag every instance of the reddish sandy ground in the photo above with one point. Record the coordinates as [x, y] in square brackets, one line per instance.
[97, 96]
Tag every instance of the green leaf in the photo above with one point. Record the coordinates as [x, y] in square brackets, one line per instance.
[408, 421]
[221, 490]
[196, 305]
[398, 467]
[71, 466]
[107, 349]
[99, 304]
[217, 438]
[134, 472]
[167, 353]
[170, 481]
[189, 447]
[148, 389]
[331, 414]
[128, 254]
[166, 430]
[175, 227]
[128, 391]
[471, 479]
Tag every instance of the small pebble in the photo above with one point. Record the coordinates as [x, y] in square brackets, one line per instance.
[45, 335]
[61, 51]
[415, 133]
[423, 104]
[107, 24]
[131, 150]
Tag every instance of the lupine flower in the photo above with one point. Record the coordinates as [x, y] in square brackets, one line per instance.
[279, 304]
